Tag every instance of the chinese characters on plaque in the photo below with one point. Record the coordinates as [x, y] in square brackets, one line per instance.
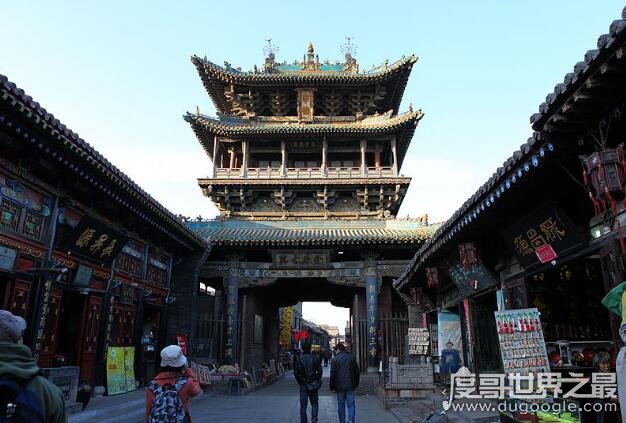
[542, 235]
[95, 240]
[299, 259]
[418, 341]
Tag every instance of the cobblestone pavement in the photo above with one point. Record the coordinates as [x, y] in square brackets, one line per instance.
[279, 403]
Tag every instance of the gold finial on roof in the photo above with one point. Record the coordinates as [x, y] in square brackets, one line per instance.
[197, 111]
[310, 49]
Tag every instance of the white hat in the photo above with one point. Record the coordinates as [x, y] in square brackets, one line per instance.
[173, 356]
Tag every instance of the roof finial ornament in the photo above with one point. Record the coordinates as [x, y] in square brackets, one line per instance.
[411, 107]
[349, 51]
[197, 111]
[269, 51]
[310, 49]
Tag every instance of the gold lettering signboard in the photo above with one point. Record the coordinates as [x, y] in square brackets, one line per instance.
[95, 240]
[301, 259]
[546, 227]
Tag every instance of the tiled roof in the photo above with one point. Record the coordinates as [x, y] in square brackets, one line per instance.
[206, 128]
[216, 79]
[530, 153]
[211, 70]
[589, 67]
[321, 232]
[71, 145]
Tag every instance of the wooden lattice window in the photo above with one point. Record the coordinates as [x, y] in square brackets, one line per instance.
[10, 215]
[157, 275]
[33, 224]
[129, 264]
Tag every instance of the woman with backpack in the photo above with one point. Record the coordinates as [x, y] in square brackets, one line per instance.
[168, 394]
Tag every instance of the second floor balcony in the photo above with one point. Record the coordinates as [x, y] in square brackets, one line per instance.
[304, 172]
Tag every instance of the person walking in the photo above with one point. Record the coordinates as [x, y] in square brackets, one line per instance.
[168, 394]
[24, 396]
[308, 373]
[344, 379]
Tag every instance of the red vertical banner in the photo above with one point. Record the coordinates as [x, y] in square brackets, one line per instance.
[181, 340]
[468, 333]
[424, 321]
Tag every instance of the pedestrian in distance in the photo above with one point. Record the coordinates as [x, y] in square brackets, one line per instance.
[308, 373]
[344, 379]
[168, 394]
[25, 397]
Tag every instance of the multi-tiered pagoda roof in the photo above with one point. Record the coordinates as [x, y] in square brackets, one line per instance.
[265, 86]
[306, 141]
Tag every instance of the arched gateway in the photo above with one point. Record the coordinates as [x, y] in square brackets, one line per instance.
[306, 177]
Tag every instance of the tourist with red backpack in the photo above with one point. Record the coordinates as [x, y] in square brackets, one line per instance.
[25, 397]
[168, 394]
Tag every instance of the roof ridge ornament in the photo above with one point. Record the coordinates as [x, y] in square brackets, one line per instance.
[269, 51]
[349, 50]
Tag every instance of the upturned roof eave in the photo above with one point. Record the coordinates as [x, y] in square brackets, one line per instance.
[58, 134]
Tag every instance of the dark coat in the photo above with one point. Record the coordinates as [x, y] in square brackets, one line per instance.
[344, 372]
[308, 371]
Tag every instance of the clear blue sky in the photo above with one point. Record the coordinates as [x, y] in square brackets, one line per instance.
[119, 74]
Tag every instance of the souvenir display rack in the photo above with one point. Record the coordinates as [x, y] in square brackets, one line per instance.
[522, 345]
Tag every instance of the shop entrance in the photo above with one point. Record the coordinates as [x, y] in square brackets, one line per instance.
[148, 354]
[569, 299]
[70, 319]
[487, 350]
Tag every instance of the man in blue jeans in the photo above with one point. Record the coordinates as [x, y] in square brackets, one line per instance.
[308, 373]
[344, 379]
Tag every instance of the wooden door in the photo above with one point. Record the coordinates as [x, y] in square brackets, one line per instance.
[89, 337]
[487, 359]
[19, 297]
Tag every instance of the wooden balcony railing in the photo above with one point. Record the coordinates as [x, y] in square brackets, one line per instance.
[299, 173]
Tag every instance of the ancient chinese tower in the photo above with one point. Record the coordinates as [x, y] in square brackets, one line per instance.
[306, 177]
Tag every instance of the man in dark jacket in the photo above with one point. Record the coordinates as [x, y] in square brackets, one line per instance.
[308, 373]
[344, 379]
[18, 365]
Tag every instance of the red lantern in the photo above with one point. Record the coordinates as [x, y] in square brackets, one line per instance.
[603, 173]
[415, 296]
[432, 277]
[468, 254]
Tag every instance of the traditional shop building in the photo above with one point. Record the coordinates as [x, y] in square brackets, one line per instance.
[545, 231]
[307, 180]
[87, 257]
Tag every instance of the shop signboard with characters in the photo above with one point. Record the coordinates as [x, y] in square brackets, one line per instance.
[418, 340]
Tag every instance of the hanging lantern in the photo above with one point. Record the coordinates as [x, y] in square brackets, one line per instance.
[603, 174]
[468, 254]
[432, 277]
[415, 297]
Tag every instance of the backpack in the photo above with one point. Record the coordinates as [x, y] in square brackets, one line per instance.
[167, 406]
[19, 404]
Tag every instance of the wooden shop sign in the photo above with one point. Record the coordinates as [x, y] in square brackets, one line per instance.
[95, 240]
[542, 235]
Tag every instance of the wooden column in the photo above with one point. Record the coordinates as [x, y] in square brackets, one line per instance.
[355, 329]
[244, 333]
[363, 163]
[232, 158]
[246, 155]
[394, 152]
[324, 156]
[377, 157]
[283, 157]
[215, 148]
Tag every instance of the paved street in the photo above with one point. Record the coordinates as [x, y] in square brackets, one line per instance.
[279, 403]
